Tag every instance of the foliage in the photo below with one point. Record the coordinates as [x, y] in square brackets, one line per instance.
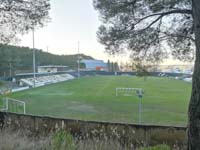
[19, 140]
[142, 27]
[112, 66]
[20, 16]
[142, 70]
[148, 28]
[63, 140]
[19, 59]
[108, 65]
[158, 147]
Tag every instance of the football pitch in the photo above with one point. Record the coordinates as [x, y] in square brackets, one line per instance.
[165, 101]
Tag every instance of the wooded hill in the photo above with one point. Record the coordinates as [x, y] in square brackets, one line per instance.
[14, 59]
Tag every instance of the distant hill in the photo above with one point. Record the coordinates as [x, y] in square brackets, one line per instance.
[14, 59]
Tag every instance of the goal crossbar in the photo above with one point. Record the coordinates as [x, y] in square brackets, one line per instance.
[137, 91]
[6, 101]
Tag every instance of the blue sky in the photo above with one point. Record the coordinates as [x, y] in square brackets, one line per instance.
[72, 21]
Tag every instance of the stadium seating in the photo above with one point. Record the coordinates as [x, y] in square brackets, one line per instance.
[188, 80]
[44, 80]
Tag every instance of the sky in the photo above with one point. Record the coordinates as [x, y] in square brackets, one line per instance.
[72, 21]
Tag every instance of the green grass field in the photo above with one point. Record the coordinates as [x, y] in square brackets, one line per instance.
[165, 100]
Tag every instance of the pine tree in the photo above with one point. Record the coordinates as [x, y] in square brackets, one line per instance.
[20, 16]
[143, 27]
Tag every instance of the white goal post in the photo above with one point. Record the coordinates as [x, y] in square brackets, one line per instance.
[15, 103]
[130, 92]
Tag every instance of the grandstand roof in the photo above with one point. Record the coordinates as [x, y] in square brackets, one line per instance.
[53, 66]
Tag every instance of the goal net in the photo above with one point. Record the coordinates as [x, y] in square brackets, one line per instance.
[13, 105]
[129, 92]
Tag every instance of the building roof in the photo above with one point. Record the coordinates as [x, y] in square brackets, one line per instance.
[92, 64]
[91, 61]
[53, 66]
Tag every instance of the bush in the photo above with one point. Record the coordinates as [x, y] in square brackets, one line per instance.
[158, 147]
[63, 140]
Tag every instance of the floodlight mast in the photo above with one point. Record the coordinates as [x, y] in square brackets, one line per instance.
[140, 110]
[78, 69]
[139, 93]
[33, 58]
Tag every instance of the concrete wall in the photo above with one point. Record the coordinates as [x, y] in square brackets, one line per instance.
[127, 134]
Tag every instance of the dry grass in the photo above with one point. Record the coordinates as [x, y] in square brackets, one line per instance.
[15, 140]
[99, 145]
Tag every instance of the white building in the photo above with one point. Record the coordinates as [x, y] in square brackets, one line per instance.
[51, 69]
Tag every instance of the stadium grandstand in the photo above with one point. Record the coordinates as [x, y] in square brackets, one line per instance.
[45, 80]
[45, 75]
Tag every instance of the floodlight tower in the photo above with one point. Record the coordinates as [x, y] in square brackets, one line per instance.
[140, 95]
[33, 57]
[140, 109]
[78, 69]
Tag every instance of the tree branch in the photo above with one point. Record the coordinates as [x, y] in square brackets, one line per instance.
[177, 11]
[179, 35]
[153, 22]
[129, 3]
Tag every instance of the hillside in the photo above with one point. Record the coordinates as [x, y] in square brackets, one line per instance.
[14, 59]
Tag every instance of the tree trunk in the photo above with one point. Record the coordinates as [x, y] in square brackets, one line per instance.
[194, 106]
